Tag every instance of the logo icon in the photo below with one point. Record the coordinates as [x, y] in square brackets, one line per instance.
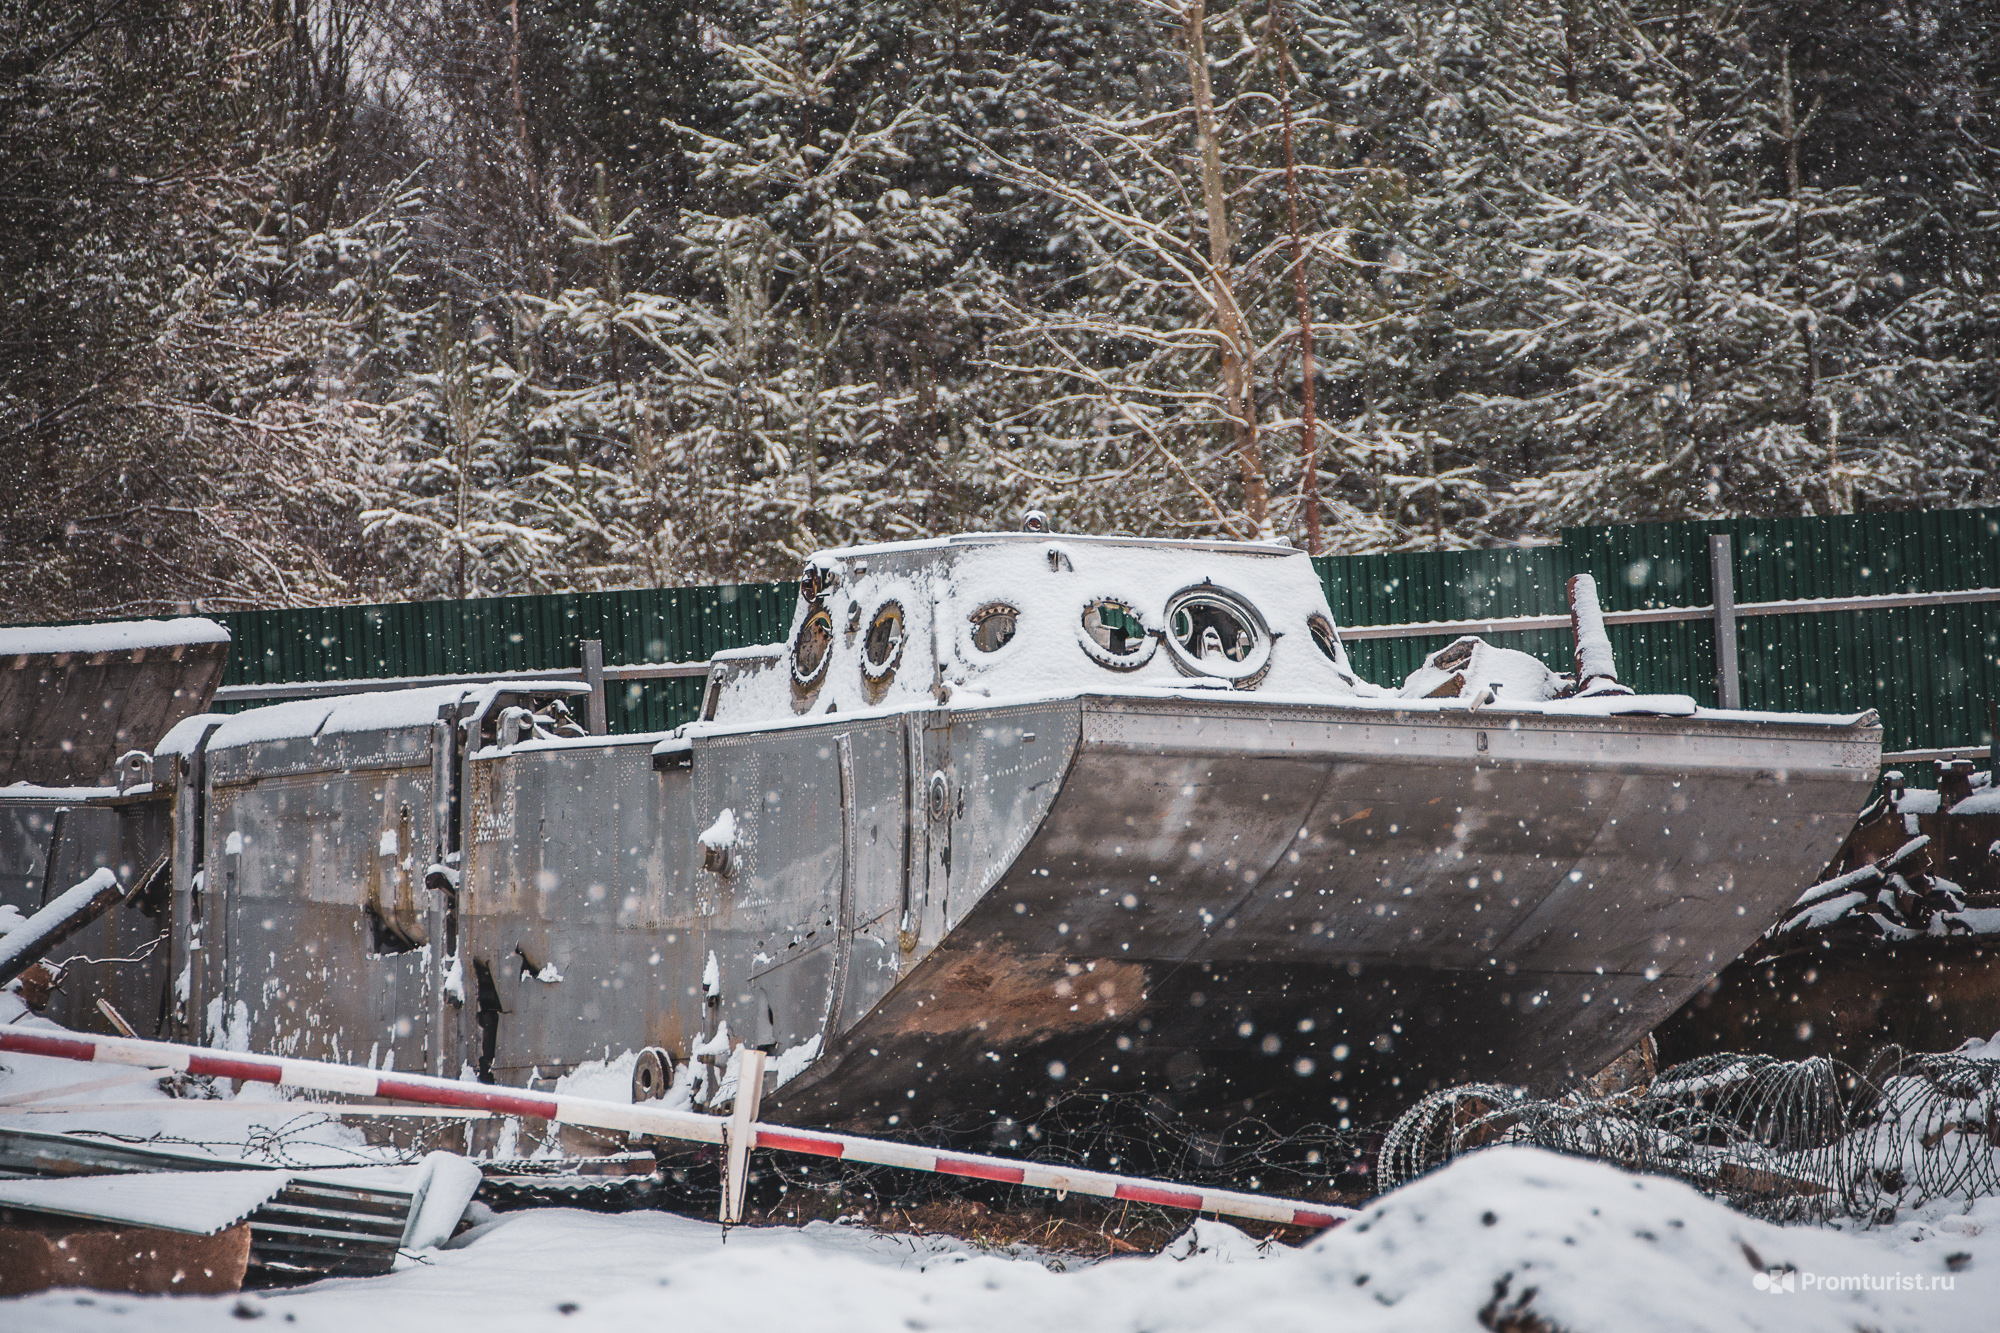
[1775, 1281]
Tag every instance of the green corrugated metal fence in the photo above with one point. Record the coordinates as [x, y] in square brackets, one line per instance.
[1931, 671]
[516, 634]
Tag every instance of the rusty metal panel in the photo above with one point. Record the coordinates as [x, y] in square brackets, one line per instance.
[820, 829]
[66, 717]
[50, 841]
[313, 910]
[577, 908]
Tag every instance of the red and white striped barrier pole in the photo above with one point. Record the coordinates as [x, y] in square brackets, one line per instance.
[658, 1122]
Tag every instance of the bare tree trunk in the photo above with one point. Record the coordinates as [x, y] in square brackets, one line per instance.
[1308, 444]
[520, 105]
[1817, 433]
[1236, 397]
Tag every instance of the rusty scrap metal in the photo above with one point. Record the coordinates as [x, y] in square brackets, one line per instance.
[77, 906]
[312, 1223]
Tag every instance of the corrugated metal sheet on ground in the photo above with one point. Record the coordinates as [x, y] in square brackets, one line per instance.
[199, 1203]
[336, 1219]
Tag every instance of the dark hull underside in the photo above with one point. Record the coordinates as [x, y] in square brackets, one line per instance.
[1305, 916]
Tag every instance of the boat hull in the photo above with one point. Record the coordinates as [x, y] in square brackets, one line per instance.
[1324, 911]
[1297, 910]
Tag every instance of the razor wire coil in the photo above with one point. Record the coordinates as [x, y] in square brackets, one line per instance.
[1787, 1140]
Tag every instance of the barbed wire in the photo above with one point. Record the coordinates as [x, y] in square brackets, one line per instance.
[1788, 1140]
[145, 951]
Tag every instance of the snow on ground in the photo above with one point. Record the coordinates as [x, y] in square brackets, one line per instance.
[1578, 1244]
[257, 1125]
[1506, 1231]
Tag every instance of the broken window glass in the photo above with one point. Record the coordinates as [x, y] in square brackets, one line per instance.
[1115, 627]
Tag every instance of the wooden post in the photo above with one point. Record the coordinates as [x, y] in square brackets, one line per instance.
[592, 661]
[741, 1132]
[1722, 572]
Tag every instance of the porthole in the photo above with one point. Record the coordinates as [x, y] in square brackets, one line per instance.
[993, 626]
[1325, 637]
[812, 647]
[883, 647]
[1115, 635]
[1213, 632]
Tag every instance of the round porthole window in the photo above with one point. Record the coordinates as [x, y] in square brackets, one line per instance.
[883, 647]
[1327, 639]
[1211, 632]
[1114, 634]
[993, 626]
[813, 646]
[1324, 636]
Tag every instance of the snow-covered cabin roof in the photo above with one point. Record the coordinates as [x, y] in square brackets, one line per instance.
[113, 637]
[1013, 615]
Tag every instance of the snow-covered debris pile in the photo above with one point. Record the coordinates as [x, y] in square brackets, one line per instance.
[1471, 668]
[1889, 881]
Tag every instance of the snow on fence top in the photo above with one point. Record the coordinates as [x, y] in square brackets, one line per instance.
[118, 637]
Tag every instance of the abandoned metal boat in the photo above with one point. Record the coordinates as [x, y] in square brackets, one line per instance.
[1005, 815]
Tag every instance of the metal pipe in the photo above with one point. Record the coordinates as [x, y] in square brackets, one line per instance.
[656, 671]
[1722, 573]
[76, 907]
[1804, 606]
[1900, 758]
[315, 689]
[651, 1120]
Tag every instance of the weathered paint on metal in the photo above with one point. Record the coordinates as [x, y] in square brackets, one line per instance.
[1308, 907]
[52, 838]
[1067, 900]
[66, 717]
[956, 905]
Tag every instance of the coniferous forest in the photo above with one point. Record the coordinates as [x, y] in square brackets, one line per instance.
[323, 300]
